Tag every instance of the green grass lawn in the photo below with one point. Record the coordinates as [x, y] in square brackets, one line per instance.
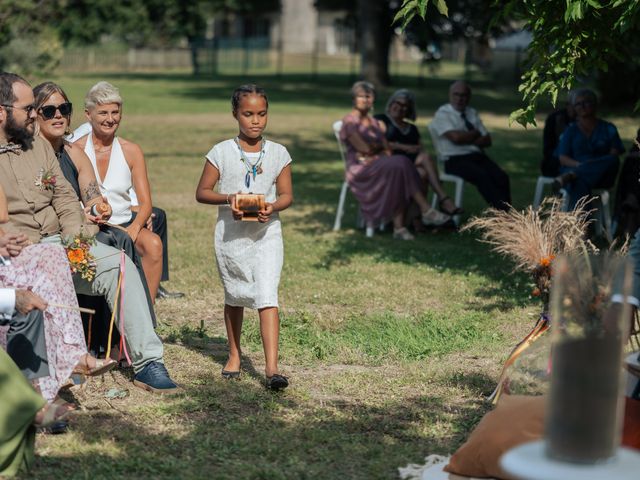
[390, 346]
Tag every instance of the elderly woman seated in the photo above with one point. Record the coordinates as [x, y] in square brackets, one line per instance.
[404, 139]
[588, 150]
[383, 183]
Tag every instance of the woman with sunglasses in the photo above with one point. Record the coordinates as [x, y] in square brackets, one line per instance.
[404, 139]
[54, 118]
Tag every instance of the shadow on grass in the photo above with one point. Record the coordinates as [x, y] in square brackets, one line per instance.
[215, 348]
[327, 90]
[444, 251]
[478, 383]
[228, 430]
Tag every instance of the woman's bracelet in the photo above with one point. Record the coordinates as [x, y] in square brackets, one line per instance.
[228, 202]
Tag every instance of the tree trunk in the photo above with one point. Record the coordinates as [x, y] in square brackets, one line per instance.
[195, 64]
[375, 34]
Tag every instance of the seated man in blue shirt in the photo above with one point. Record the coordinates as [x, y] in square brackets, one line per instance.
[588, 150]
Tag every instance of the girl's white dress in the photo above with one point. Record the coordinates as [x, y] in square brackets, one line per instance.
[249, 254]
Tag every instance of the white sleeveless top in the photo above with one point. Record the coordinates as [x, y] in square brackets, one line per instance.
[116, 183]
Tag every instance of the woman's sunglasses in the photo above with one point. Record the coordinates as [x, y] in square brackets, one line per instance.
[49, 111]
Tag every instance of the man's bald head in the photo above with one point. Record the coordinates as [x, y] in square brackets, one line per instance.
[459, 95]
[7, 80]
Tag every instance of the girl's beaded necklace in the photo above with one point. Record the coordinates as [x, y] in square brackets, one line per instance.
[253, 169]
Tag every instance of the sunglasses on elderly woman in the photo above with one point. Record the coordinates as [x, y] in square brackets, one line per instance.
[49, 111]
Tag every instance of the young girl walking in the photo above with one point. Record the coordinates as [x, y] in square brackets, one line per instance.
[249, 254]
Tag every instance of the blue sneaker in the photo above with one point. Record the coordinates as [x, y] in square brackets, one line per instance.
[155, 379]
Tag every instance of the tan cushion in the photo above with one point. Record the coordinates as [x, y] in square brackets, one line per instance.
[516, 419]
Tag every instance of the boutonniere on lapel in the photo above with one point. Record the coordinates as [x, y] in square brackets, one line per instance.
[46, 180]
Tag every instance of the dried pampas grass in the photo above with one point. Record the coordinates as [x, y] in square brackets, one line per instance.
[532, 238]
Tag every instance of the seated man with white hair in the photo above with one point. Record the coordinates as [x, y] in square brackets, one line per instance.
[463, 138]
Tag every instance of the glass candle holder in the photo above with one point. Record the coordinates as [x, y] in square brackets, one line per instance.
[590, 318]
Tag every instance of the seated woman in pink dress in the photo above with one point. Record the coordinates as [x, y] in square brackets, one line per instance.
[383, 183]
[44, 269]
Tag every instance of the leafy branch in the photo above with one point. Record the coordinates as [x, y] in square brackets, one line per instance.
[571, 39]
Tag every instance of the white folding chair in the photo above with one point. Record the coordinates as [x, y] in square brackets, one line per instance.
[538, 194]
[602, 207]
[337, 126]
[540, 184]
[446, 177]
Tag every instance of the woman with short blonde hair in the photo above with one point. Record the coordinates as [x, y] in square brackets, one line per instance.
[120, 168]
[102, 93]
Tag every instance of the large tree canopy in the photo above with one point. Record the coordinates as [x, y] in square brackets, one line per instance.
[31, 30]
[571, 39]
[373, 21]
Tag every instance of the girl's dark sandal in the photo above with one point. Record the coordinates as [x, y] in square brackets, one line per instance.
[277, 382]
[229, 375]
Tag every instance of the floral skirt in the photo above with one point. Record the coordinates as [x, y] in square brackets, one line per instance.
[44, 269]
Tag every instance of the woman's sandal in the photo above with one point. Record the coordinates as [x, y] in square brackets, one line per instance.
[52, 413]
[455, 211]
[75, 380]
[277, 382]
[102, 367]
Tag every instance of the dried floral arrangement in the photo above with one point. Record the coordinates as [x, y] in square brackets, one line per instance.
[534, 238]
[81, 261]
[586, 285]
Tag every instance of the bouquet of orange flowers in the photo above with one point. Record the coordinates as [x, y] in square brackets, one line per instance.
[80, 258]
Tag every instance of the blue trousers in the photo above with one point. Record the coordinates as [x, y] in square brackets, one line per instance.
[595, 173]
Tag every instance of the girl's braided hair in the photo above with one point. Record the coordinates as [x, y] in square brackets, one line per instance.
[243, 90]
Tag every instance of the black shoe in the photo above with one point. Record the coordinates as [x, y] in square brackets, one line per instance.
[562, 180]
[229, 375]
[455, 211]
[277, 382]
[162, 293]
[155, 379]
[56, 428]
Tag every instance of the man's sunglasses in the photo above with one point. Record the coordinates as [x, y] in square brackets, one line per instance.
[49, 111]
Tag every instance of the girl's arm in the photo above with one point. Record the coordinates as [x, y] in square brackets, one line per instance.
[135, 158]
[206, 194]
[284, 189]
[204, 190]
